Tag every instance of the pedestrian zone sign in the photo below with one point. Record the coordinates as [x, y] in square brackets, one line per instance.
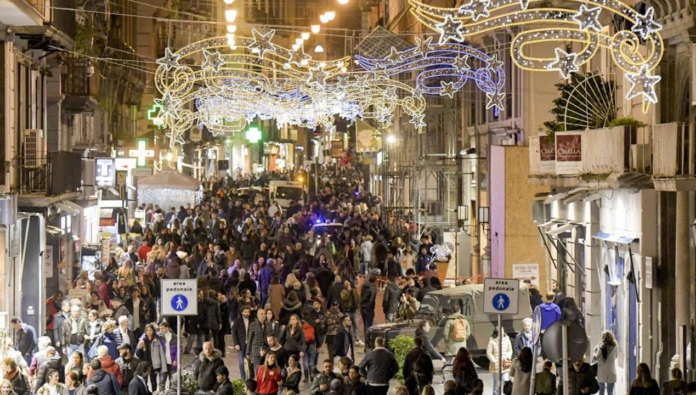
[179, 297]
[501, 296]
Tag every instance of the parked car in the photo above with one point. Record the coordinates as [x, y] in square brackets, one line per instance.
[437, 305]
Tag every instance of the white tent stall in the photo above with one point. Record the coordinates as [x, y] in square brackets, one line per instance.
[168, 189]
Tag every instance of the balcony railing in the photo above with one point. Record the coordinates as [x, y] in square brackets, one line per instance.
[80, 87]
[663, 155]
[57, 173]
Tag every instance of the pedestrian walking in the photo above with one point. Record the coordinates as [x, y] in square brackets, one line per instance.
[521, 372]
[644, 384]
[378, 367]
[493, 353]
[464, 371]
[605, 355]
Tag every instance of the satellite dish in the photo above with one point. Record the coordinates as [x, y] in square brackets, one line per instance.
[553, 345]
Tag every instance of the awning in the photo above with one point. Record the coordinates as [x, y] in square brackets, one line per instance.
[614, 238]
[63, 206]
[560, 229]
[54, 231]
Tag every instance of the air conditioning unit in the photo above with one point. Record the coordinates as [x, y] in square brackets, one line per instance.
[34, 151]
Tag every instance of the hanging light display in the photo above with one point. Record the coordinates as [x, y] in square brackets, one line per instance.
[636, 51]
[228, 90]
[454, 62]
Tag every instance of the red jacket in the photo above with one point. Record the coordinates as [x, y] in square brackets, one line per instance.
[270, 383]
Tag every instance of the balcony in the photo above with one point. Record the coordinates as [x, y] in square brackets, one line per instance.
[23, 12]
[674, 158]
[57, 173]
[617, 157]
[79, 87]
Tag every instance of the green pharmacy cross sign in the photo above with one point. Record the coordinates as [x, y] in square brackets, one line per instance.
[153, 114]
[253, 135]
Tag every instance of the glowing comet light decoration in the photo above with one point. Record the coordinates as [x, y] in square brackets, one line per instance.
[636, 51]
[458, 63]
[223, 90]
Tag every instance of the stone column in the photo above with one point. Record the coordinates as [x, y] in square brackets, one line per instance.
[681, 268]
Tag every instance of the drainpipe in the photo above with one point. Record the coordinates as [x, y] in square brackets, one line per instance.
[681, 273]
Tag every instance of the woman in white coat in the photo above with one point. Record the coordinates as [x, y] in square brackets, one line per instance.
[521, 372]
[605, 354]
[493, 353]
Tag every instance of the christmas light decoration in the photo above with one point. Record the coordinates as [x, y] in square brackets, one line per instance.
[442, 252]
[636, 51]
[443, 69]
[208, 85]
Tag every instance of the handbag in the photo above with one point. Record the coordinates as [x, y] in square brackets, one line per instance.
[507, 364]
[507, 387]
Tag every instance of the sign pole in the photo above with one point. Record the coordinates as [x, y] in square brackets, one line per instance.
[500, 354]
[564, 350]
[532, 379]
[178, 355]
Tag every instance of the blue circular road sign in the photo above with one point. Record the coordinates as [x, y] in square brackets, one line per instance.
[179, 302]
[501, 302]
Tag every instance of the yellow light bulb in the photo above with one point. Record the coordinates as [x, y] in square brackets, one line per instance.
[231, 28]
[305, 36]
[230, 15]
[318, 49]
[342, 1]
[228, 2]
[299, 41]
[315, 28]
[331, 15]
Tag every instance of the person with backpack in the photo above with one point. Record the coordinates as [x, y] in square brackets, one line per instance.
[456, 331]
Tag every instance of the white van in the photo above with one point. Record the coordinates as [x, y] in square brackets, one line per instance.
[284, 192]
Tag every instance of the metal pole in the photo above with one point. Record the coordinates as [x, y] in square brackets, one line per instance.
[564, 340]
[532, 377]
[178, 355]
[500, 354]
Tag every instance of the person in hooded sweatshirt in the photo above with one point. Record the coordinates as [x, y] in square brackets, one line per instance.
[550, 312]
[291, 305]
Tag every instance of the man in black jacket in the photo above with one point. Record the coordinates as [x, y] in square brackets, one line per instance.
[344, 345]
[418, 368]
[138, 384]
[205, 367]
[105, 382]
[25, 338]
[378, 367]
[239, 337]
[128, 365]
[368, 294]
[335, 292]
[224, 386]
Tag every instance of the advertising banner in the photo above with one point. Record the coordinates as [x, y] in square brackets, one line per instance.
[568, 152]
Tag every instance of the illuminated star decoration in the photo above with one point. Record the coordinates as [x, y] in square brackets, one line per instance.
[588, 18]
[470, 8]
[642, 84]
[361, 80]
[169, 107]
[448, 89]
[262, 42]
[493, 64]
[645, 24]
[394, 56]
[175, 138]
[423, 46]
[417, 121]
[495, 100]
[213, 60]
[317, 77]
[169, 60]
[565, 63]
[450, 29]
[524, 4]
[461, 63]
[299, 57]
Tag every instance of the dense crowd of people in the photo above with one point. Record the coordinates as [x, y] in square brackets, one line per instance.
[283, 286]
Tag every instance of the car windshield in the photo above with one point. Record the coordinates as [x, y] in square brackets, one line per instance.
[290, 193]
